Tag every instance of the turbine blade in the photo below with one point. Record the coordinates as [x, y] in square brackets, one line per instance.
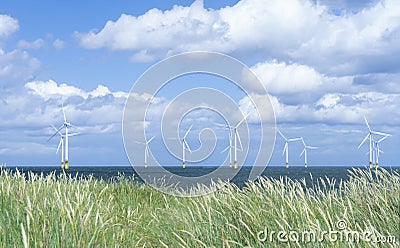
[281, 134]
[378, 149]
[238, 137]
[301, 154]
[59, 144]
[230, 138]
[58, 131]
[73, 134]
[284, 149]
[311, 147]
[294, 139]
[221, 125]
[382, 139]
[187, 145]
[366, 122]
[302, 140]
[187, 132]
[366, 137]
[228, 147]
[380, 133]
[65, 118]
[55, 129]
[240, 122]
[150, 140]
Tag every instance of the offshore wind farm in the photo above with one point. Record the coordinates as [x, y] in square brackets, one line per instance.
[235, 144]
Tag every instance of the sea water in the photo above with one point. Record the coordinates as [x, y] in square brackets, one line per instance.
[311, 174]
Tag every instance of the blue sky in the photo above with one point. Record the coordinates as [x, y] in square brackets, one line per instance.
[324, 63]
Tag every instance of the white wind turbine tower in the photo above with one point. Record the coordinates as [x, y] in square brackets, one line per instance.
[61, 144]
[286, 149]
[236, 137]
[184, 146]
[230, 147]
[65, 125]
[378, 150]
[146, 150]
[369, 135]
[305, 151]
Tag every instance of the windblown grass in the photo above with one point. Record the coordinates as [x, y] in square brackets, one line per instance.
[45, 211]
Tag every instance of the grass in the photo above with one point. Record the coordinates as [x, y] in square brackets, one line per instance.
[46, 211]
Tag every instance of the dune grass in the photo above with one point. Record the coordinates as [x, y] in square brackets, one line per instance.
[65, 211]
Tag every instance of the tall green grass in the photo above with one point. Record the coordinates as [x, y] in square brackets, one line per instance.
[46, 211]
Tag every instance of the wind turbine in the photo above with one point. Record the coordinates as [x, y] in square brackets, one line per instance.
[65, 125]
[230, 147]
[305, 151]
[146, 150]
[369, 135]
[61, 144]
[236, 137]
[184, 146]
[378, 150]
[286, 149]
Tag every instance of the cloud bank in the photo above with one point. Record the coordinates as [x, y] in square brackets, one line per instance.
[297, 30]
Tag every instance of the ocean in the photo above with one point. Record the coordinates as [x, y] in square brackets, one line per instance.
[111, 173]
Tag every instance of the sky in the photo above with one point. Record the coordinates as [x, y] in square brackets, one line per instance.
[325, 64]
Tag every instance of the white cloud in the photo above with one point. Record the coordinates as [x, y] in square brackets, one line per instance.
[17, 67]
[270, 25]
[329, 100]
[335, 108]
[8, 25]
[294, 30]
[348, 108]
[39, 105]
[250, 24]
[37, 44]
[282, 78]
[100, 91]
[364, 41]
[59, 44]
[142, 56]
[50, 89]
[301, 84]
[181, 28]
